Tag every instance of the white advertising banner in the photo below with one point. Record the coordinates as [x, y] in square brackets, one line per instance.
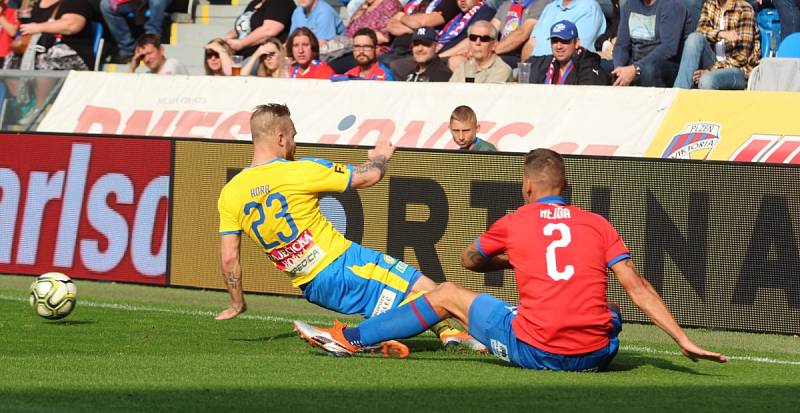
[516, 118]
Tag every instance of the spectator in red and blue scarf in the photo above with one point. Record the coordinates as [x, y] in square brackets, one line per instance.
[570, 63]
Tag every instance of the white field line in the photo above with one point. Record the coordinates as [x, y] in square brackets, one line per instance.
[744, 358]
[197, 313]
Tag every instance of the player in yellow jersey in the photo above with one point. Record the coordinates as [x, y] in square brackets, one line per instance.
[274, 202]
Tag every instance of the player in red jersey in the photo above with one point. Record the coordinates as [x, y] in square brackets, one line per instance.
[560, 254]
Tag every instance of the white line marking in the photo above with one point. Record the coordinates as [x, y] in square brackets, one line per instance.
[744, 358]
[198, 313]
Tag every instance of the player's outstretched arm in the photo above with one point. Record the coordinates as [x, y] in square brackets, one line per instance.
[646, 298]
[371, 172]
[232, 273]
[473, 260]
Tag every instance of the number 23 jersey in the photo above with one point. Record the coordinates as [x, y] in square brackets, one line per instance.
[276, 205]
[560, 254]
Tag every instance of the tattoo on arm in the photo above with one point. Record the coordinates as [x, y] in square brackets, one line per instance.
[379, 163]
[233, 280]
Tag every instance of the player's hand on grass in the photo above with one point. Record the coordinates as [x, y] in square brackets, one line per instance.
[695, 353]
[383, 148]
[231, 312]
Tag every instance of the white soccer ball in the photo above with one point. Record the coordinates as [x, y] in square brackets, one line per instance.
[53, 295]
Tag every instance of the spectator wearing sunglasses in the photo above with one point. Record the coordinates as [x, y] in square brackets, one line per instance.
[270, 58]
[570, 63]
[484, 66]
[218, 58]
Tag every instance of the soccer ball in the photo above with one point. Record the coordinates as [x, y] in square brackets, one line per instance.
[53, 295]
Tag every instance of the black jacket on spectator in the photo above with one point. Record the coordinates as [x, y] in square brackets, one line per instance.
[587, 69]
[82, 41]
[435, 71]
[277, 10]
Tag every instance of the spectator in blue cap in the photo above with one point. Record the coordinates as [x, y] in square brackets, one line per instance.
[570, 63]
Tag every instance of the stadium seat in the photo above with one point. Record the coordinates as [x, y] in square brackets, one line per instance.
[97, 44]
[790, 46]
[770, 24]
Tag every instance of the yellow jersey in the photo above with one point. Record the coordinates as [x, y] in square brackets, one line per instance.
[276, 205]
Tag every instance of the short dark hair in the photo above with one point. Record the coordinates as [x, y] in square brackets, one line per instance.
[303, 31]
[149, 38]
[366, 31]
[546, 166]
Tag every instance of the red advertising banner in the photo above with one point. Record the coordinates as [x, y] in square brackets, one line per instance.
[90, 207]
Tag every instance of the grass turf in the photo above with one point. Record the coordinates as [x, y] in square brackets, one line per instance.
[138, 348]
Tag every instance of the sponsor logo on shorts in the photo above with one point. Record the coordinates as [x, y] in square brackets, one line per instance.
[389, 260]
[499, 350]
[385, 302]
[695, 141]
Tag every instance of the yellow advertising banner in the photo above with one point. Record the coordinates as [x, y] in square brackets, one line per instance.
[730, 126]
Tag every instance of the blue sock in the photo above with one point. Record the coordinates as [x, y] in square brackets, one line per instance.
[401, 322]
[353, 336]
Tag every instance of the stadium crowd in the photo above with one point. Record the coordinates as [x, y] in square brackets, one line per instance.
[663, 43]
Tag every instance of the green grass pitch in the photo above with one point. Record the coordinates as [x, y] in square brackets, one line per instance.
[137, 348]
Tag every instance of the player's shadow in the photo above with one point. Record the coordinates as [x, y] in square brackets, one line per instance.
[66, 323]
[632, 361]
[265, 338]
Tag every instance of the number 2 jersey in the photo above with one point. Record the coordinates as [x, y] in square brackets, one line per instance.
[276, 205]
[560, 254]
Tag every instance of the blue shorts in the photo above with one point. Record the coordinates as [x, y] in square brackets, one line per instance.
[362, 281]
[490, 323]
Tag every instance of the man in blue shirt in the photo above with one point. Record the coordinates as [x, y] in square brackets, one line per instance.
[585, 14]
[650, 42]
[318, 16]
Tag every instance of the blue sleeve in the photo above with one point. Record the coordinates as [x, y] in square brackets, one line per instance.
[542, 30]
[327, 23]
[618, 258]
[480, 250]
[670, 20]
[622, 49]
[590, 25]
[297, 14]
